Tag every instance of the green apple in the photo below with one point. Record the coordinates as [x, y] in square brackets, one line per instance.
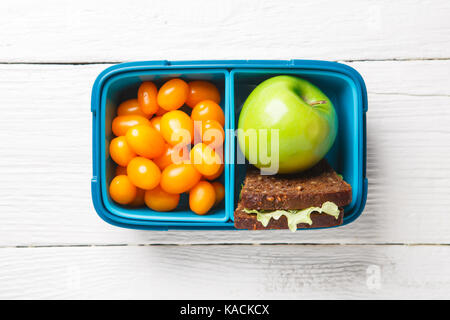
[294, 121]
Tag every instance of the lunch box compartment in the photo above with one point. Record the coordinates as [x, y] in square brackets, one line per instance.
[125, 86]
[235, 80]
[344, 156]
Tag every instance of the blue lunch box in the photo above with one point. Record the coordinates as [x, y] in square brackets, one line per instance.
[235, 79]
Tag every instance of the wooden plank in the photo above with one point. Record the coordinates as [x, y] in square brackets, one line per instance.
[413, 78]
[45, 167]
[224, 272]
[87, 31]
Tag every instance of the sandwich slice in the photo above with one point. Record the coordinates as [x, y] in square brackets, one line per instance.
[310, 199]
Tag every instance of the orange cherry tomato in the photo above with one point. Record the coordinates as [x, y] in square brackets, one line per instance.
[160, 112]
[147, 93]
[217, 174]
[177, 128]
[120, 151]
[202, 90]
[122, 190]
[212, 133]
[156, 123]
[219, 152]
[202, 197]
[139, 199]
[220, 192]
[121, 124]
[205, 159]
[143, 173]
[145, 141]
[159, 200]
[179, 177]
[172, 155]
[173, 94]
[165, 159]
[130, 107]
[208, 110]
[121, 170]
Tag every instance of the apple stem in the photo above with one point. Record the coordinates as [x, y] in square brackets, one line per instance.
[317, 102]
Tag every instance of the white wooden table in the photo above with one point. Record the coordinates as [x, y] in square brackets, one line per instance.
[53, 245]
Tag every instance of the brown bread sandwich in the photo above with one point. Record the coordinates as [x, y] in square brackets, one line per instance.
[310, 199]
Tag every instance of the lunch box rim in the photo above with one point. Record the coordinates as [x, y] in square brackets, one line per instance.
[229, 65]
[360, 187]
[114, 209]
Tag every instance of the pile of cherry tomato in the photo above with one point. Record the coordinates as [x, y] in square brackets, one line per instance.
[162, 151]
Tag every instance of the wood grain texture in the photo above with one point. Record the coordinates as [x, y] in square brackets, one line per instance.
[45, 162]
[45, 151]
[89, 31]
[226, 272]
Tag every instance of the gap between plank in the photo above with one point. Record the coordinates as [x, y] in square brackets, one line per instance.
[409, 94]
[223, 244]
[117, 62]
